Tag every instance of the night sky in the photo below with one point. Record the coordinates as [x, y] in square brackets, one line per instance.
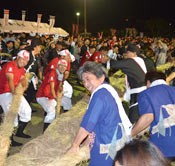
[101, 14]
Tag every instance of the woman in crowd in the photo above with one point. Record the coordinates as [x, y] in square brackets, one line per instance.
[105, 120]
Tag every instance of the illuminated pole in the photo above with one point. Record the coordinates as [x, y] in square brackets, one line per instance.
[85, 19]
[78, 14]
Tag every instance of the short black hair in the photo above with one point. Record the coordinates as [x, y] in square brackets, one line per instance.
[60, 43]
[10, 41]
[154, 75]
[35, 42]
[103, 48]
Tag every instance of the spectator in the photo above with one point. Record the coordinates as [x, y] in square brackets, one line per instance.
[53, 53]
[85, 46]
[23, 44]
[113, 53]
[3, 47]
[87, 55]
[160, 50]
[11, 48]
[100, 56]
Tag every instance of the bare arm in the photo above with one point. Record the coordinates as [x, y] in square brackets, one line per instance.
[52, 88]
[10, 78]
[40, 74]
[170, 78]
[81, 135]
[66, 74]
[143, 122]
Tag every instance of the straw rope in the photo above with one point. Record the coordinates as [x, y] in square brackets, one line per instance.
[6, 128]
[58, 107]
[51, 147]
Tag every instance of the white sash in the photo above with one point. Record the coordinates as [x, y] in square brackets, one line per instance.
[124, 118]
[158, 82]
[141, 63]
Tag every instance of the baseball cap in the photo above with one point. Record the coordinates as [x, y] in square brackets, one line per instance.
[133, 48]
[64, 52]
[35, 42]
[67, 52]
[62, 62]
[24, 54]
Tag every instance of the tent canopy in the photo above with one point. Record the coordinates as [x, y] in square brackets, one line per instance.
[19, 26]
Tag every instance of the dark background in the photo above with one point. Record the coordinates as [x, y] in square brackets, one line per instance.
[101, 14]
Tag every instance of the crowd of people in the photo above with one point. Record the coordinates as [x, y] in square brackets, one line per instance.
[106, 127]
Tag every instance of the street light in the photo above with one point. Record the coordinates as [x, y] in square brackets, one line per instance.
[78, 15]
[85, 19]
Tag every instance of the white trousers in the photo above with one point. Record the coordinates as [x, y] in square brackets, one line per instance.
[49, 107]
[24, 110]
[67, 89]
[66, 101]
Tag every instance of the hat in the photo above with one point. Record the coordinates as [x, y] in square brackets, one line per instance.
[64, 52]
[67, 52]
[62, 62]
[24, 54]
[133, 48]
[35, 42]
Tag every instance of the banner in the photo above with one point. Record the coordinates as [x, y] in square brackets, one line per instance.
[6, 16]
[73, 29]
[23, 16]
[52, 22]
[38, 21]
[76, 29]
